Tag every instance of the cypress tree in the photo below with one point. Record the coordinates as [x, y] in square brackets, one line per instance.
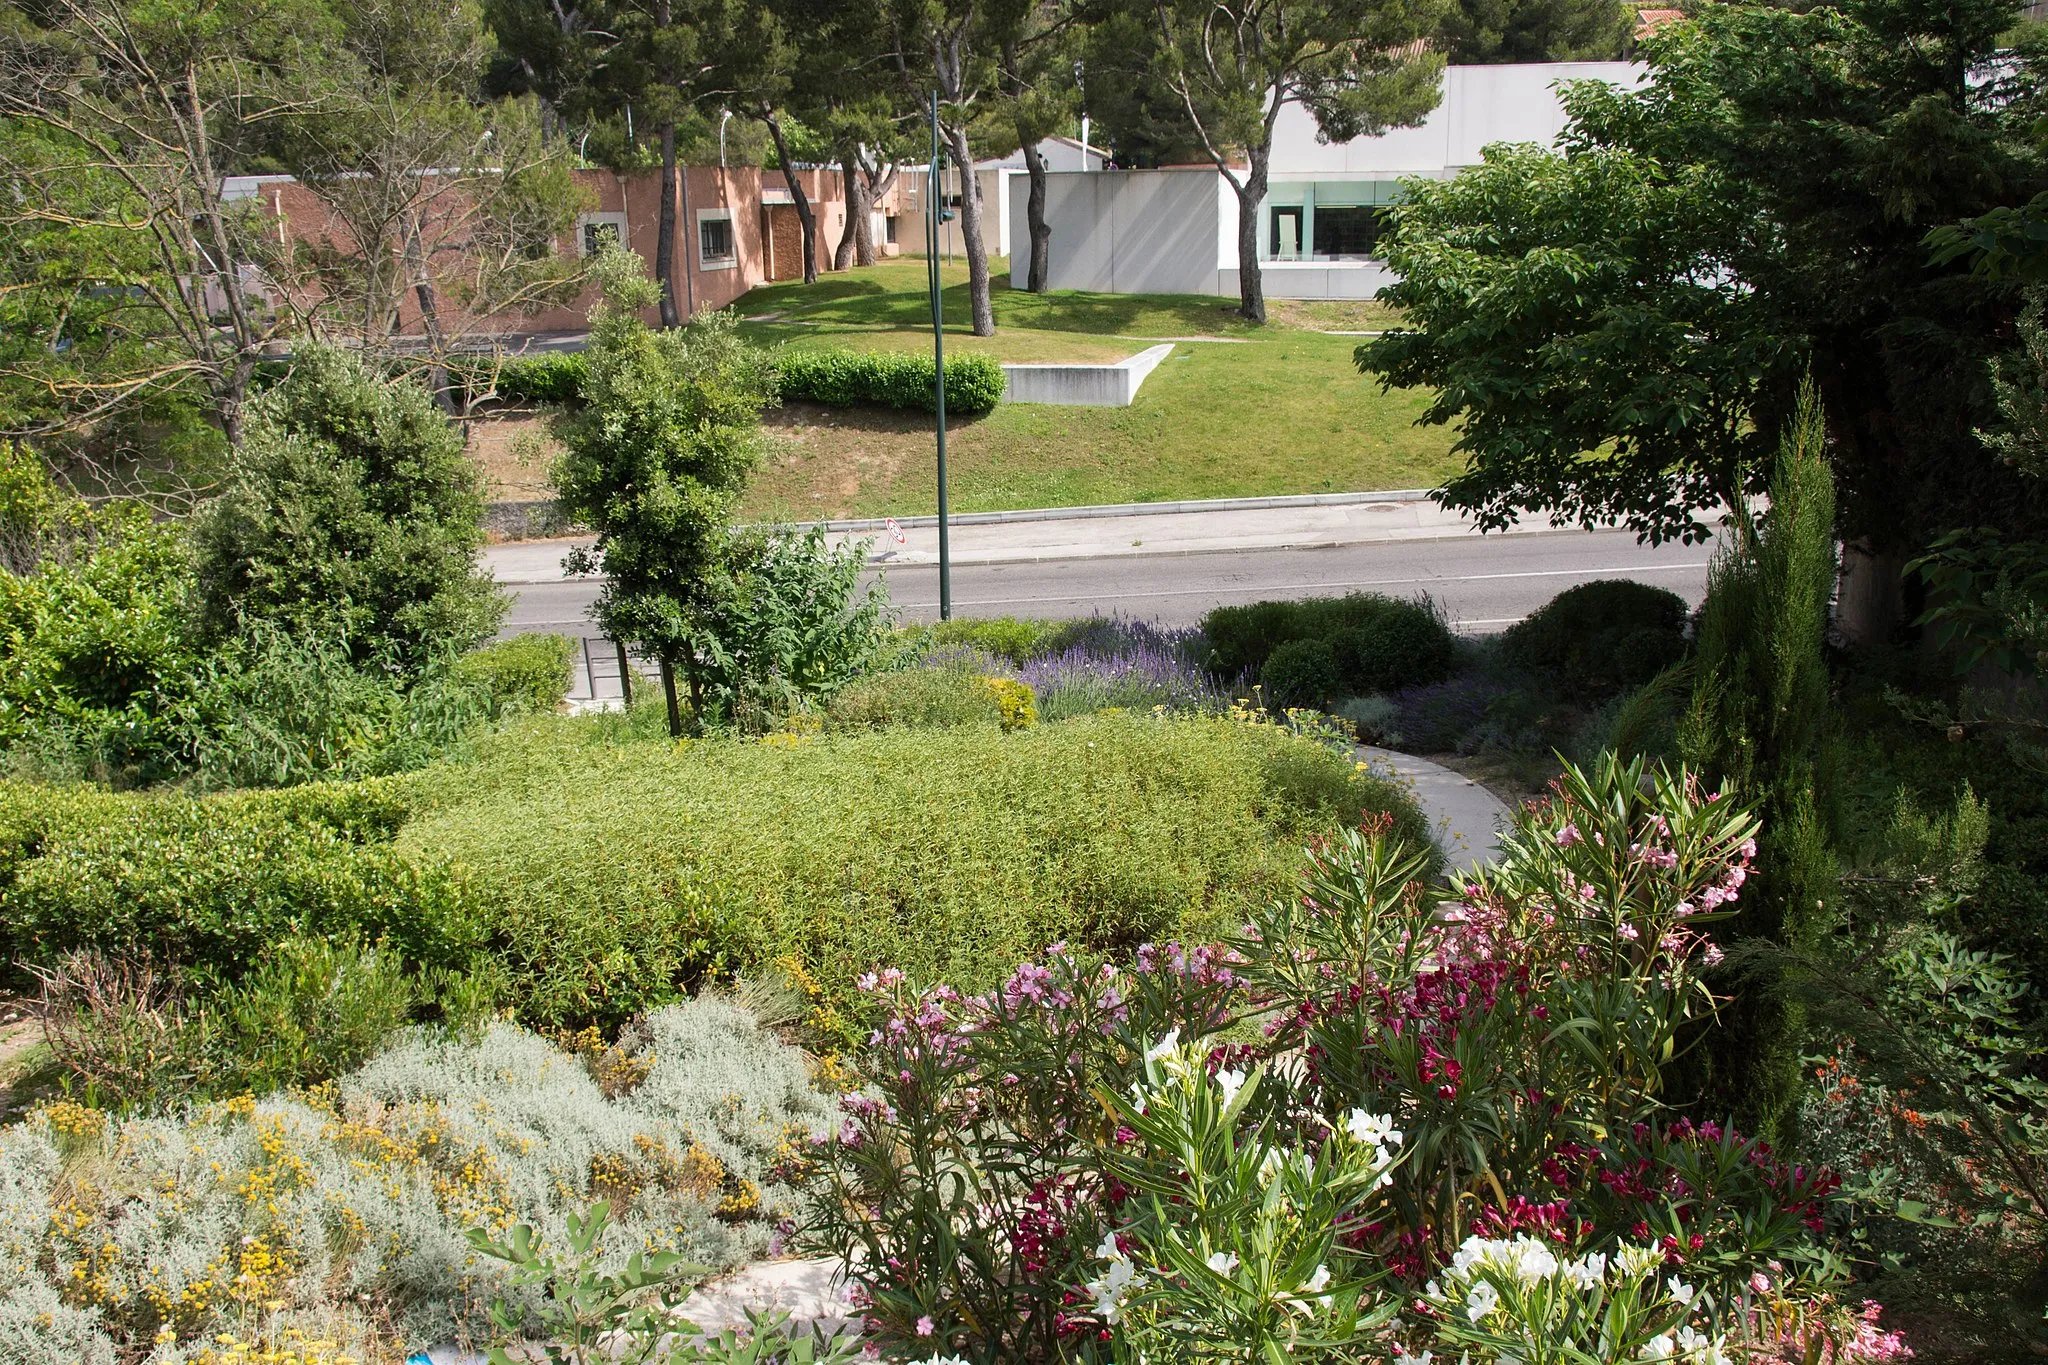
[1760, 721]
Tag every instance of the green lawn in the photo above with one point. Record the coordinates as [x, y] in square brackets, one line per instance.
[1260, 410]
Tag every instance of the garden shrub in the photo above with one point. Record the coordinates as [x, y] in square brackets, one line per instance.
[210, 882]
[524, 673]
[555, 377]
[621, 875]
[127, 1036]
[1241, 638]
[889, 379]
[1006, 637]
[1105, 662]
[1303, 673]
[930, 695]
[1380, 1089]
[1600, 637]
[342, 1211]
[1405, 644]
[351, 511]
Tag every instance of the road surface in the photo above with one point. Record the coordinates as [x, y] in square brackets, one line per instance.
[1484, 583]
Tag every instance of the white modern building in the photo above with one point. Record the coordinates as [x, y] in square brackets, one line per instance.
[1002, 214]
[1175, 231]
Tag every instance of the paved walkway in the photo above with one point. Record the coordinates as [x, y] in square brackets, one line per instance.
[1466, 817]
[1093, 532]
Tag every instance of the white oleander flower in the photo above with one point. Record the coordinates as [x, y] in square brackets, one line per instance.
[1223, 1262]
[1109, 1251]
[1375, 1129]
[1483, 1299]
[1165, 1047]
[1587, 1271]
[1634, 1262]
[1318, 1281]
[1658, 1348]
[1681, 1291]
[1230, 1082]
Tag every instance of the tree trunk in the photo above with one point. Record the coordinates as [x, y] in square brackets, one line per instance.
[844, 254]
[877, 185]
[422, 280]
[970, 234]
[1034, 217]
[1251, 287]
[668, 692]
[665, 238]
[804, 216]
[1869, 601]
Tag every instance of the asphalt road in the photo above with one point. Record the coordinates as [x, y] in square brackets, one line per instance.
[1484, 583]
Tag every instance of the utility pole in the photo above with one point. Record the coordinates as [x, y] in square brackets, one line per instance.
[935, 208]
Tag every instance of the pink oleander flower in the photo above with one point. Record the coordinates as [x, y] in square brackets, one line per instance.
[924, 1327]
[1568, 836]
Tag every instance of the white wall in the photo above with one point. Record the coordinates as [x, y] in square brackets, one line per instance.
[1136, 232]
[1480, 105]
[995, 213]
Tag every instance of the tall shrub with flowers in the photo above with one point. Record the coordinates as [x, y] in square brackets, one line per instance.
[1381, 1093]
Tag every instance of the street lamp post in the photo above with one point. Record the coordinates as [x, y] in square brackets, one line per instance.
[936, 214]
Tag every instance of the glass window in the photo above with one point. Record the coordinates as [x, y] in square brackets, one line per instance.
[1286, 239]
[714, 240]
[600, 230]
[1347, 233]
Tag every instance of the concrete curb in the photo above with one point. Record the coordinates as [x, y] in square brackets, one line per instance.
[1129, 509]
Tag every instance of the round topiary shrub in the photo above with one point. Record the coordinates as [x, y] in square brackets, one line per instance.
[1405, 645]
[1302, 673]
[1600, 637]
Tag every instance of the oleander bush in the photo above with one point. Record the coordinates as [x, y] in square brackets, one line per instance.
[1381, 1089]
[616, 874]
[888, 379]
[340, 1212]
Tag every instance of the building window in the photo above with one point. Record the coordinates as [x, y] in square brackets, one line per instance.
[595, 230]
[1286, 238]
[1347, 233]
[715, 246]
[889, 235]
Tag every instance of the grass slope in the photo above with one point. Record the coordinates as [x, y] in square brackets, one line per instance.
[1255, 411]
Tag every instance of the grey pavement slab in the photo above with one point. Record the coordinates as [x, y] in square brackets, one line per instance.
[1466, 817]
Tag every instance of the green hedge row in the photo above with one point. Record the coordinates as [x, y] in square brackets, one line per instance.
[889, 379]
[582, 874]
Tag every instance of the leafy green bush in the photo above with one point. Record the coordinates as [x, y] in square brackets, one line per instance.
[211, 882]
[127, 1035]
[555, 377]
[1382, 642]
[1006, 637]
[621, 874]
[1601, 637]
[918, 697]
[889, 379]
[351, 511]
[1405, 644]
[1303, 673]
[524, 673]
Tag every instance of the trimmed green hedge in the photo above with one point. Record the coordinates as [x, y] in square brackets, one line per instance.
[888, 379]
[620, 873]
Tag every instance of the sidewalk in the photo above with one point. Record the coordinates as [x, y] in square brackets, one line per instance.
[1307, 522]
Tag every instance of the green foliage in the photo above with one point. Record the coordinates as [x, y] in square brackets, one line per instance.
[351, 512]
[619, 874]
[1600, 637]
[1008, 638]
[632, 1314]
[1484, 31]
[1760, 721]
[654, 462]
[889, 379]
[922, 697]
[1302, 673]
[272, 709]
[1406, 644]
[1374, 644]
[790, 624]
[554, 377]
[1572, 310]
[127, 1036]
[524, 673]
[211, 882]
